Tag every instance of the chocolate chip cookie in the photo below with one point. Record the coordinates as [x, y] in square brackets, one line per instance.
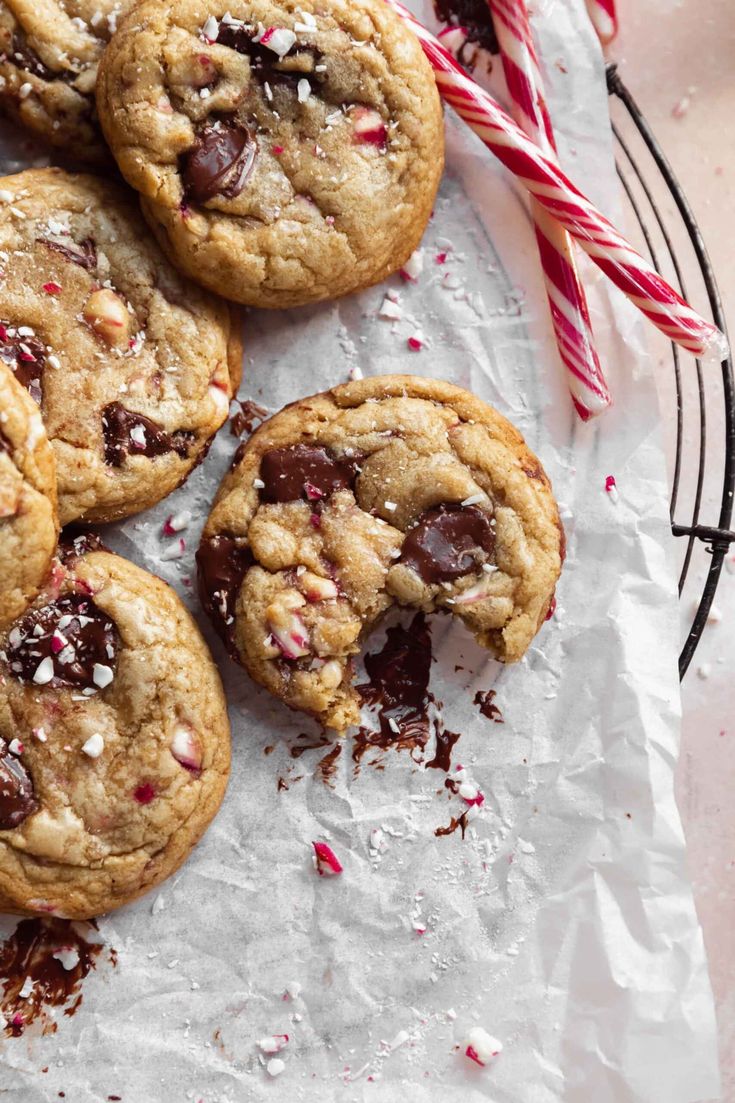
[114, 739]
[48, 68]
[285, 151]
[133, 367]
[28, 520]
[390, 490]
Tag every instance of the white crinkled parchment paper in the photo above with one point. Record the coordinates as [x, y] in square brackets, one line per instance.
[563, 924]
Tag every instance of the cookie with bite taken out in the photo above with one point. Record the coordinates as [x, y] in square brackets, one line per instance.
[285, 151]
[390, 490]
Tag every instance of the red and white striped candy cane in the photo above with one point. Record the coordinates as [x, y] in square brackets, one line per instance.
[567, 300]
[543, 178]
[604, 19]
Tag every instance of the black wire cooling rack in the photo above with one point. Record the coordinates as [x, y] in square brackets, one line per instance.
[702, 460]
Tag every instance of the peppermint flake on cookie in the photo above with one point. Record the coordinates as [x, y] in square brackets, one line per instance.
[210, 30]
[611, 488]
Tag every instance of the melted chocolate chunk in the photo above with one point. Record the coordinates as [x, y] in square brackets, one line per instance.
[222, 562]
[265, 64]
[399, 689]
[126, 433]
[26, 358]
[73, 634]
[27, 58]
[475, 17]
[448, 542]
[74, 544]
[17, 800]
[83, 253]
[303, 471]
[219, 163]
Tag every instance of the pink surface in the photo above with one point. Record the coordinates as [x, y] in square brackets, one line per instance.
[678, 59]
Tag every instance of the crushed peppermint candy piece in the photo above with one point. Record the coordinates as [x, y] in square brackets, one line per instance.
[416, 342]
[612, 488]
[174, 551]
[278, 39]
[414, 266]
[326, 861]
[481, 1046]
[303, 90]
[293, 989]
[15, 746]
[67, 956]
[94, 746]
[471, 793]
[369, 127]
[275, 1066]
[137, 435]
[176, 522]
[473, 500]
[186, 748]
[40, 735]
[377, 839]
[390, 310]
[102, 675]
[274, 1043]
[44, 671]
[52, 288]
[26, 989]
[210, 30]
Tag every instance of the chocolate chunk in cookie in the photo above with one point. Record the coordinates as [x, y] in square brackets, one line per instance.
[68, 642]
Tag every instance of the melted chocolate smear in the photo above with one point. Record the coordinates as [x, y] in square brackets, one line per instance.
[17, 799]
[327, 765]
[287, 472]
[244, 421]
[4, 443]
[475, 17]
[219, 163]
[445, 741]
[399, 690]
[28, 952]
[74, 544]
[485, 700]
[28, 59]
[455, 822]
[73, 632]
[448, 542]
[222, 562]
[83, 253]
[26, 358]
[308, 743]
[118, 427]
